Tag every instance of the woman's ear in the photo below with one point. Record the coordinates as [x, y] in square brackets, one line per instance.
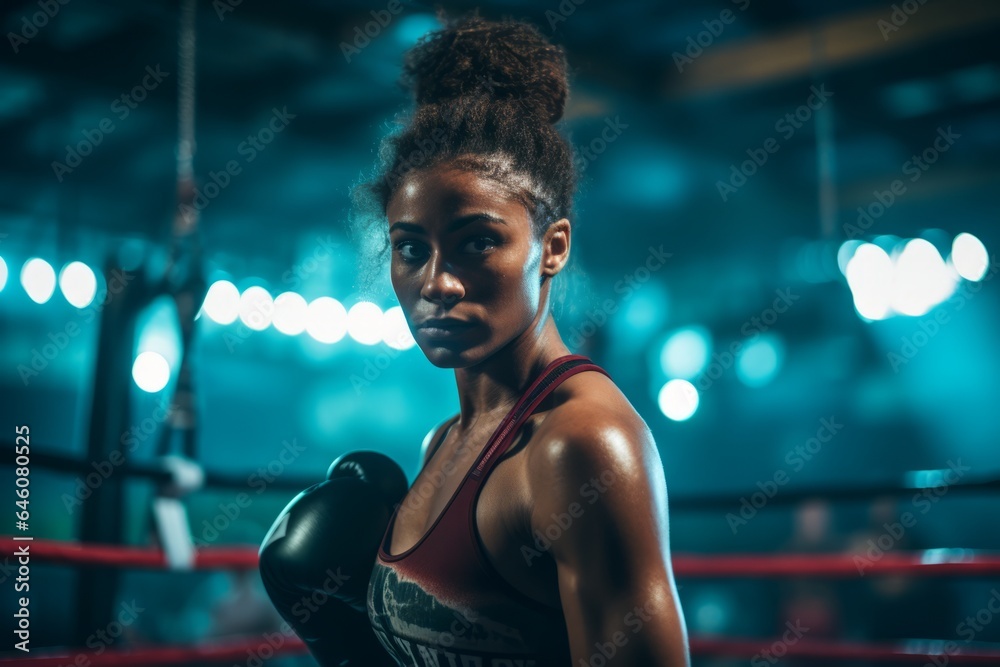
[555, 247]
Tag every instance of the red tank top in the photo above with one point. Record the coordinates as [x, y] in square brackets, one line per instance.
[441, 603]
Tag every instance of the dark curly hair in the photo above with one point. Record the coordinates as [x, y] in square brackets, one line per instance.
[488, 95]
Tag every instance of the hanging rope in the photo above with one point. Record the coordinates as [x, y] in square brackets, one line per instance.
[184, 279]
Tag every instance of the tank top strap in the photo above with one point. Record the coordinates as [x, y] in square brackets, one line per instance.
[551, 377]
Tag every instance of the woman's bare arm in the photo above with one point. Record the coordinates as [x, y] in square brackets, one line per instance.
[598, 488]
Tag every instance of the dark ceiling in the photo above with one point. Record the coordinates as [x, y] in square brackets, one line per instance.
[891, 90]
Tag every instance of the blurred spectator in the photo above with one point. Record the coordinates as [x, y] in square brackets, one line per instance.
[812, 605]
[894, 607]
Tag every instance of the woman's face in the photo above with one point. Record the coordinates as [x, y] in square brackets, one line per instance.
[463, 249]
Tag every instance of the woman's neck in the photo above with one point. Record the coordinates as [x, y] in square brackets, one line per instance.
[491, 388]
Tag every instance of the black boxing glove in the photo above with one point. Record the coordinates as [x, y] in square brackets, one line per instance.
[317, 558]
[389, 481]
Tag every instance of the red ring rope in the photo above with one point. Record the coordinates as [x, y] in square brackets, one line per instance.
[78, 553]
[236, 650]
[915, 563]
[830, 648]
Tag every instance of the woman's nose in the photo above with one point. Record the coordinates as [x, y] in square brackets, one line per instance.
[441, 285]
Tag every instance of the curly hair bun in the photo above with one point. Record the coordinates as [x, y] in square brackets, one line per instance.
[500, 60]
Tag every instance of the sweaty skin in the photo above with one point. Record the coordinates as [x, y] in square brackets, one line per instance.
[463, 247]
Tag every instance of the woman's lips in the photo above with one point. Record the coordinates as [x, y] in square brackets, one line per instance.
[445, 330]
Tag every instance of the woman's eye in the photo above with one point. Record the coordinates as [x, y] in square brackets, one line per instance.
[481, 244]
[410, 252]
[405, 250]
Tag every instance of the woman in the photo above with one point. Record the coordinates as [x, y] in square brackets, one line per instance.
[536, 532]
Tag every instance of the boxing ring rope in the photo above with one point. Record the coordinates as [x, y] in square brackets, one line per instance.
[927, 563]
[826, 648]
[111, 555]
[855, 492]
[235, 650]
[157, 472]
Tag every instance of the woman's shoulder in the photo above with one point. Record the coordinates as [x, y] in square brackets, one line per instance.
[592, 400]
[591, 422]
[594, 444]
